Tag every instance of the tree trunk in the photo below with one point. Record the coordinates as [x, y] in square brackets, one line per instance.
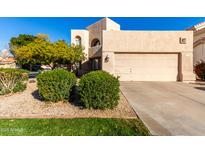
[30, 67]
[52, 65]
[69, 67]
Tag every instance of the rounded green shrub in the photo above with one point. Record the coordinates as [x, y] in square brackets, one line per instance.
[99, 90]
[56, 85]
[12, 80]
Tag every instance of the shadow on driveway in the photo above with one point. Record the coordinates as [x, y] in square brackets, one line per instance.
[200, 88]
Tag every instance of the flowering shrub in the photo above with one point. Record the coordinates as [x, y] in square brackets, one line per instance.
[199, 69]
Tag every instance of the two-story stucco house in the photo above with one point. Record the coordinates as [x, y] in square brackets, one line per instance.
[136, 55]
[199, 42]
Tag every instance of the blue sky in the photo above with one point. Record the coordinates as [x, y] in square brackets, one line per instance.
[59, 28]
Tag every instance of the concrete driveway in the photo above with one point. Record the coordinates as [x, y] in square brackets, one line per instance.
[168, 108]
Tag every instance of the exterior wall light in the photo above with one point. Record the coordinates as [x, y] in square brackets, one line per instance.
[107, 58]
[182, 40]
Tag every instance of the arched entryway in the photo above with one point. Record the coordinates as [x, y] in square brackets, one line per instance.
[95, 42]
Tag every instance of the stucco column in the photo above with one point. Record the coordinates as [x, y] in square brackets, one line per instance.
[108, 65]
[187, 66]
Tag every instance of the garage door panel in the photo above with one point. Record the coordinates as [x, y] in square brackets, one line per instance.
[122, 70]
[146, 67]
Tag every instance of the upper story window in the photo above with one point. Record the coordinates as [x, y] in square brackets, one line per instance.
[77, 40]
[95, 42]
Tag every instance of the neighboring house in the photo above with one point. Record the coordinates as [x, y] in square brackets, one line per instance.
[8, 62]
[136, 55]
[199, 42]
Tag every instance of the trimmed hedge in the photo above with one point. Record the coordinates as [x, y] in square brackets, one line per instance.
[199, 69]
[55, 85]
[99, 90]
[12, 80]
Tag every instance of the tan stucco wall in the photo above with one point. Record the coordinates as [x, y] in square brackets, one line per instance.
[111, 25]
[149, 42]
[96, 29]
[84, 34]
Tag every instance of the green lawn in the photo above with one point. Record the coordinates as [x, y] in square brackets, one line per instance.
[72, 127]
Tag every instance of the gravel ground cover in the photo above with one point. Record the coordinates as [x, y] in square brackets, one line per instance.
[28, 104]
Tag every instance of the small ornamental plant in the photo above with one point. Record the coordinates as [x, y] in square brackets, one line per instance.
[199, 69]
[99, 90]
[56, 85]
[12, 80]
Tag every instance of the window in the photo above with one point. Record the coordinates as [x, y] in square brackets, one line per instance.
[77, 40]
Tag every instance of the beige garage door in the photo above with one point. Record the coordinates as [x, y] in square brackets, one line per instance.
[146, 67]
